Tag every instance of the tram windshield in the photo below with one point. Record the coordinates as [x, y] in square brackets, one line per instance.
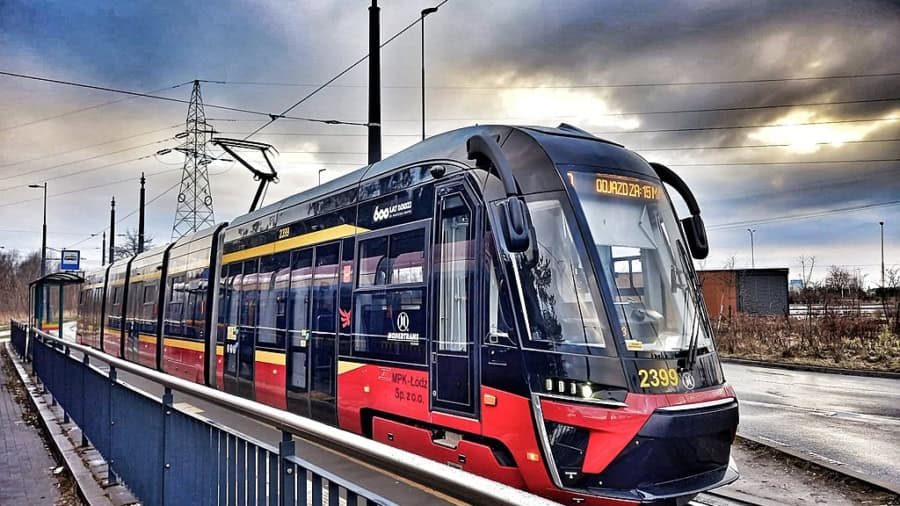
[644, 260]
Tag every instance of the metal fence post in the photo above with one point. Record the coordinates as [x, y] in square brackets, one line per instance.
[51, 373]
[110, 473]
[286, 448]
[65, 387]
[166, 426]
[85, 366]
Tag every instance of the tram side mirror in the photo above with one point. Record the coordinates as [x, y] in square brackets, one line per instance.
[695, 231]
[516, 225]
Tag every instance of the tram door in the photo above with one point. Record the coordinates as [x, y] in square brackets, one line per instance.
[452, 348]
[311, 386]
[239, 345]
[299, 332]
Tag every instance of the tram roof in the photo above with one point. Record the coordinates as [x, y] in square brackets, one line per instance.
[563, 145]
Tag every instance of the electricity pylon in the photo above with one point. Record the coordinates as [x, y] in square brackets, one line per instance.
[194, 210]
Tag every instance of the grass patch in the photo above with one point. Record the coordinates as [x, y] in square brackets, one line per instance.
[851, 342]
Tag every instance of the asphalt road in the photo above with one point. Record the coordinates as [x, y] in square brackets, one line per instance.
[850, 421]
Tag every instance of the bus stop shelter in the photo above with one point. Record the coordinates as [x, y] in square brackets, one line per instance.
[47, 299]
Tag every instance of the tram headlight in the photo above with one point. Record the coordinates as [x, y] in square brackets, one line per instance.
[586, 391]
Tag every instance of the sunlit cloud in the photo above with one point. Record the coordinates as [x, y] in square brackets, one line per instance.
[794, 130]
[579, 107]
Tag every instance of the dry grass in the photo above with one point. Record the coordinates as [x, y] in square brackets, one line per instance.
[854, 342]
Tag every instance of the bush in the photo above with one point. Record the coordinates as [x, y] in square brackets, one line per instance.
[862, 342]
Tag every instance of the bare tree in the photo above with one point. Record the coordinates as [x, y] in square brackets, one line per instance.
[838, 279]
[131, 245]
[806, 275]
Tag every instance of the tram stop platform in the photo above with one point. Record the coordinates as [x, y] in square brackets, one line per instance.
[26, 464]
[40, 462]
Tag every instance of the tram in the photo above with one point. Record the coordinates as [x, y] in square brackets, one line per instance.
[517, 302]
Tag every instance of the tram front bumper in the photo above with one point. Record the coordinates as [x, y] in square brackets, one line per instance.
[660, 456]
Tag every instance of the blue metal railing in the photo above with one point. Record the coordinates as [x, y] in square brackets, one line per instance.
[17, 335]
[167, 456]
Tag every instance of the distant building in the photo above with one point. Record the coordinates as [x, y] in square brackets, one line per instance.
[751, 291]
[796, 285]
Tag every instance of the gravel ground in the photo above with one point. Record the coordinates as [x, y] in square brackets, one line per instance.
[771, 475]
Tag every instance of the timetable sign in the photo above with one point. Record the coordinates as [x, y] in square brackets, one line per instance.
[71, 260]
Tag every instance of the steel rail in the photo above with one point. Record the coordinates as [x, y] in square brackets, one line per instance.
[451, 481]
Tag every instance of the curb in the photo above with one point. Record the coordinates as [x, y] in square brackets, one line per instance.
[88, 489]
[813, 368]
[893, 488]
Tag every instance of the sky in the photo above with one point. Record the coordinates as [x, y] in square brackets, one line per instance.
[825, 176]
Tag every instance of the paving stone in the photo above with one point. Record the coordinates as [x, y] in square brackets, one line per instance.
[26, 466]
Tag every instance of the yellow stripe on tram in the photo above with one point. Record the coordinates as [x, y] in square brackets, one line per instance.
[319, 236]
[144, 338]
[270, 357]
[345, 366]
[184, 344]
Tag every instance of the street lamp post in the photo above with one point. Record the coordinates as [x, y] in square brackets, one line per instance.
[320, 175]
[883, 287]
[44, 229]
[752, 253]
[425, 12]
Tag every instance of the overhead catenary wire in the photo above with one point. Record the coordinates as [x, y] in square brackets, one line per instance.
[606, 132]
[178, 100]
[754, 146]
[340, 74]
[132, 213]
[800, 162]
[671, 148]
[803, 216]
[575, 85]
[678, 111]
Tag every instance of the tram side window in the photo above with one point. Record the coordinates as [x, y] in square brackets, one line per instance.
[148, 308]
[174, 309]
[389, 321]
[272, 286]
[455, 271]
[222, 324]
[373, 262]
[298, 302]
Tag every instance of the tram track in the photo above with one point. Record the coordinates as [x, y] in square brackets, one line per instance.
[729, 498]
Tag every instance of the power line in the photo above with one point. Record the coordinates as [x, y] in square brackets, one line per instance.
[736, 127]
[607, 132]
[12, 231]
[751, 146]
[671, 148]
[180, 101]
[681, 111]
[793, 217]
[64, 164]
[113, 141]
[83, 109]
[84, 171]
[576, 86]
[340, 74]
[728, 164]
[132, 213]
[86, 188]
[856, 178]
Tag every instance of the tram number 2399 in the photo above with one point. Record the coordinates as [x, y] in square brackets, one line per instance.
[662, 377]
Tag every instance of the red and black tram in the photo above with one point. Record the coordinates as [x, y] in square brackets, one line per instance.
[518, 302]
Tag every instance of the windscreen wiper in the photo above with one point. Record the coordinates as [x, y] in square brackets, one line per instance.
[695, 321]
